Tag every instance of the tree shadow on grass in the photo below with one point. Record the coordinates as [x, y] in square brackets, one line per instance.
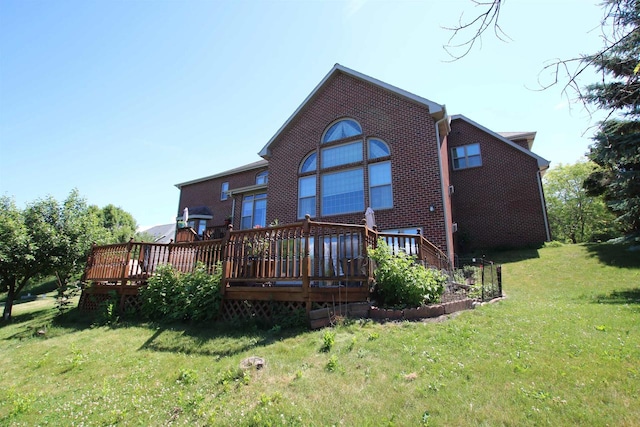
[217, 340]
[626, 296]
[615, 255]
[503, 256]
[39, 323]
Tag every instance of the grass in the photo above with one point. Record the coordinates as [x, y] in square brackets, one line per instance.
[562, 349]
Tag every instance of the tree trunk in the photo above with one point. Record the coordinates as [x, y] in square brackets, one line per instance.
[11, 296]
[8, 304]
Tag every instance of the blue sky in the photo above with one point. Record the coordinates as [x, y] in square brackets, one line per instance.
[124, 99]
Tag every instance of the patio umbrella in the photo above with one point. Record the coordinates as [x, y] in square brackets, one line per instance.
[370, 218]
[185, 215]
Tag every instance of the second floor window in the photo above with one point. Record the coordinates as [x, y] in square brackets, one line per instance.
[262, 178]
[223, 191]
[466, 156]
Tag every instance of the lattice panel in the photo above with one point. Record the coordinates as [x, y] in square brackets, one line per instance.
[90, 301]
[291, 306]
[247, 310]
[318, 305]
[132, 303]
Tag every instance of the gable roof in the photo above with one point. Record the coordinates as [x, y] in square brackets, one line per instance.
[515, 136]
[543, 164]
[255, 165]
[438, 111]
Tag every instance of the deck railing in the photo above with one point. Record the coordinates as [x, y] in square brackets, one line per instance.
[304, 254]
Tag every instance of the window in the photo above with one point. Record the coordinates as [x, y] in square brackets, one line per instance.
[342, 154]
[262, 178]
[377, 149]
[202, 226]
[223, 191]
[309, 164]
[342, 129]
[307, 196]
[199, 225]
[380, 195]
[342, 192]
[254, 211]
[467, 156]
[340, 171]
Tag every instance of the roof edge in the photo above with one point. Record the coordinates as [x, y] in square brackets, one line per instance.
[436, 110]
[250, 166]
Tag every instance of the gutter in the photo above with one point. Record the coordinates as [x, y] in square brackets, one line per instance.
[544, 204]
[445, 117]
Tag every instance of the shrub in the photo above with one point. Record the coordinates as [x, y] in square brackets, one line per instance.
[328, 340]
[171, 295]
[400, 281]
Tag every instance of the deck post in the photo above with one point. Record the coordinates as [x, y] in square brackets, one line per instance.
[226, 257]
[125, 267]
[306, 262]
[365, 252]
[89, 264]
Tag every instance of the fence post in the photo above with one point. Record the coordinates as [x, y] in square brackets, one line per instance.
[499, 278]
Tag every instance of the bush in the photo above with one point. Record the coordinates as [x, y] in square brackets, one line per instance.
[171, 295]
[400, 281]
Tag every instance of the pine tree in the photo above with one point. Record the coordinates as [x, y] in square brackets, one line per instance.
[616, 146]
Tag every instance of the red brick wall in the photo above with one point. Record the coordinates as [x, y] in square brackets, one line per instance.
[522, 143]
[207, 193]
[406, 127]
[497, 204]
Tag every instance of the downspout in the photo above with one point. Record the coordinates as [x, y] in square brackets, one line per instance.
[444, 190]
[544, 206]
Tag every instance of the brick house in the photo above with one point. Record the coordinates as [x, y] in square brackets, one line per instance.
[356, 142]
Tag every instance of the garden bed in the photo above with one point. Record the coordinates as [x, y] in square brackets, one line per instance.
[328, 316]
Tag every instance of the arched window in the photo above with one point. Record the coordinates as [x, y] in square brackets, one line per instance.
[378, 149]
[262, 178]
[309, 163]
[341, 171]
[343, 129]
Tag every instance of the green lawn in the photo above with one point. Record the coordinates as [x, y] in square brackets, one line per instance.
[562, 349]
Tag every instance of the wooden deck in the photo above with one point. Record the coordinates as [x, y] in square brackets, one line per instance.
[305, 265]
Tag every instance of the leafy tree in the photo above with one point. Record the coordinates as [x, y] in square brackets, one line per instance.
[573, 214]
[46, 238]
[17, 252]
[119, 222]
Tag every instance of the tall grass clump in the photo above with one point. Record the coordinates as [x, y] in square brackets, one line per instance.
[401, 281]
[173, 296]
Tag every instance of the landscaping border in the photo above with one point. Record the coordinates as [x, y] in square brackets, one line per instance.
[328, 316]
